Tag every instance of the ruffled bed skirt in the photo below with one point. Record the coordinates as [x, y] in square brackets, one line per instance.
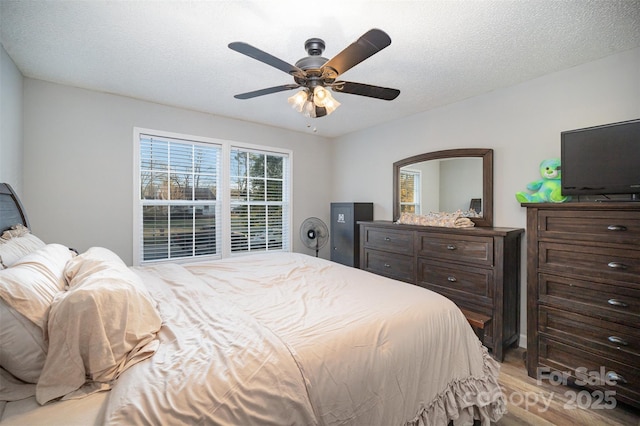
[474, 398]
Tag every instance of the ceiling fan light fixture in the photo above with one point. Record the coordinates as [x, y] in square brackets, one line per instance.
[305, 103]
[331, 105]
[322, 98]
[298, 100]
[309, 109]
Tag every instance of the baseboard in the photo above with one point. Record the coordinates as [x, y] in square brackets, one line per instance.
[523, 341]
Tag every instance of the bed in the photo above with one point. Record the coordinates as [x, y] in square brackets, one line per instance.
[270, 338]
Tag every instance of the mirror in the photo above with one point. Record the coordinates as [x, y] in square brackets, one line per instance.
[445, 181]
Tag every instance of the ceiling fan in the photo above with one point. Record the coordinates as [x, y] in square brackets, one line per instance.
[314, 73]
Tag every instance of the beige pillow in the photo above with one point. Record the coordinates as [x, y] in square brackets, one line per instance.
[12, 389]
[30, 285]
[103, 324]
[23, 350]
[94, 263]
[16, 248]
[27, 290]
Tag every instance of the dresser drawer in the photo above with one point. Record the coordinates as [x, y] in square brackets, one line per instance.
[603, 300]
[391, 265]
[560, 357]
[612, 340]
[450, 279]
[460, 248]
[590, 261]
[587, 225]
[388, 240]
[484, 264]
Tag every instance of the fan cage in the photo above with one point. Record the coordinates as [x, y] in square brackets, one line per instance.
[322, 234]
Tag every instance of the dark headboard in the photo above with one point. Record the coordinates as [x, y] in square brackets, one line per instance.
[11, 210]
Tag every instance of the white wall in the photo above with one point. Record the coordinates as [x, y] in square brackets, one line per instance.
[521, 123]
[77, 148]
[78, 163]
[10, 123]
[461, 174]
[430, 187]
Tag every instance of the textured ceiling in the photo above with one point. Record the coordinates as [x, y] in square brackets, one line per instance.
[175, 52]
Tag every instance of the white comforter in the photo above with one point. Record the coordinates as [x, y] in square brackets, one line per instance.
[291, 339]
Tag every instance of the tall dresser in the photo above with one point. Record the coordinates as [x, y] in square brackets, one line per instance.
[583, 301]
[477, 268]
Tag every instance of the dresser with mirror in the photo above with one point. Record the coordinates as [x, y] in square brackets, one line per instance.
[478, 267]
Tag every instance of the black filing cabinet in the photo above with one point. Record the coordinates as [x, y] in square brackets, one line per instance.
[345, 232]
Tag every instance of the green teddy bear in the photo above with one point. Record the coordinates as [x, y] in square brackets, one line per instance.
[548, 189]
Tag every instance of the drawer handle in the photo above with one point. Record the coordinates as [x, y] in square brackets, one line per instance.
[452, 279]
[612, 375]
[451, 247]
[386, 265]
[616, 302]
[616, 228]
[387, 239]
[618, 341]
[616, 265]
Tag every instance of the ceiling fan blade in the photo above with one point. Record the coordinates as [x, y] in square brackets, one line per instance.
[266, 91]
[365, 90]
[367, 45]
[255, 53]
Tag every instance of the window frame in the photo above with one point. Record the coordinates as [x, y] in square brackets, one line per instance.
[224, 199]
[417, 189]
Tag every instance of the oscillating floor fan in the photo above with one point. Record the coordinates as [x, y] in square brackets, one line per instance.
[314, 233]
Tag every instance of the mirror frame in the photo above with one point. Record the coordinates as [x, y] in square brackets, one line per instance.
[487, 178]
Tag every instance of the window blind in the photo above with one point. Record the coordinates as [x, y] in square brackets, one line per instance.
[201, 198]
[179, 187]
[259, 200]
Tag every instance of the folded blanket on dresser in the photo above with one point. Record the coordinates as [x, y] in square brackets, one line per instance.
[448, 220]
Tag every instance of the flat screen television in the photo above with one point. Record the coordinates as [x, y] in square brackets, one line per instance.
[602, 160]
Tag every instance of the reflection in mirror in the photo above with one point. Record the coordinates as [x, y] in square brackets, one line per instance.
[421, 186]
[446, 181]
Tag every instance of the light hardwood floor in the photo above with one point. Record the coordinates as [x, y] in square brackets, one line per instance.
[531, 404]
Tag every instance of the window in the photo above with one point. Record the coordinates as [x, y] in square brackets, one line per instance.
[200, 197]
[258, 204]
[410, 191]
[179, 187]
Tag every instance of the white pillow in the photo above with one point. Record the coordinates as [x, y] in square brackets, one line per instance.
[14, 249]
[27, 290]
[23, 350]
[102, 325]
[30, 285]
